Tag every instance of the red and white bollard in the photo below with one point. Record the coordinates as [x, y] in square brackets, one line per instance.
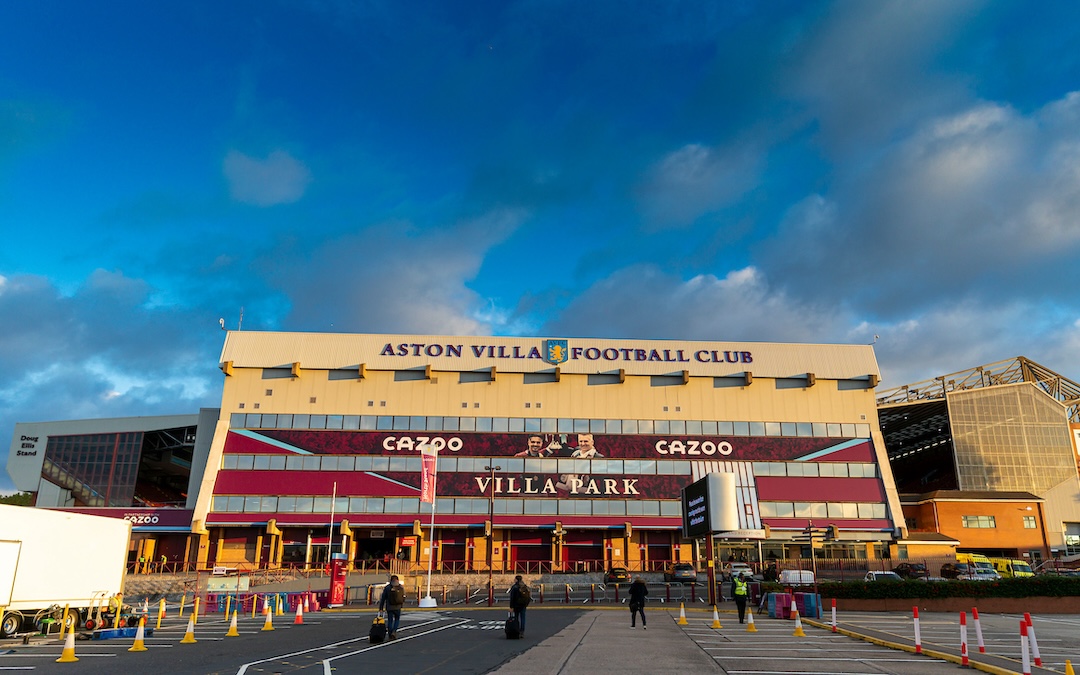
[1026, 659]
[978, 630]
[963, 640]
[834, 615]
[918, 635]
[1032, 639]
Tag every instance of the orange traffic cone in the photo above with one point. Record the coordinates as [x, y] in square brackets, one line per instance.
[306, 609]
[68, 655]
[299, 620]
[232, 627]
[269, 625]
[682, 615]
[189, 636]
[266, 605]
[798, 622]
[140, 634]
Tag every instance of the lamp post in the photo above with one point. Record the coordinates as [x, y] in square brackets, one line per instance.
[491, 532]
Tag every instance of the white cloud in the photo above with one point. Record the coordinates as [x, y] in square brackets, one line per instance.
[278, 179]
[394, 278]
[980, 201]
[644, 302]
[695, 180]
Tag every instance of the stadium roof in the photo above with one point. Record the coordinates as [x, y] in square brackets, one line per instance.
[1010, 371]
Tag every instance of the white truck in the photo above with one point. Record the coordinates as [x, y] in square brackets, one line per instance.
[52, 559]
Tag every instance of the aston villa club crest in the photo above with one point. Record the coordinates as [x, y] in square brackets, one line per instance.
[555, 351]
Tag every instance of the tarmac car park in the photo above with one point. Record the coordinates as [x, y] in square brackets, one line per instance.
[571, 639]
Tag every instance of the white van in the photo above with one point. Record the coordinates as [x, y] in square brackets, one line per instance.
[796, 577]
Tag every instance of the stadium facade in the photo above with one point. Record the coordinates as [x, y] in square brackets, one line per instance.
[560, 454]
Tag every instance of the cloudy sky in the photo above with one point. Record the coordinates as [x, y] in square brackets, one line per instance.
[767, 171]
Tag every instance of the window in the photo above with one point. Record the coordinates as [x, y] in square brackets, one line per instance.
[984, 522]
[1029, 523]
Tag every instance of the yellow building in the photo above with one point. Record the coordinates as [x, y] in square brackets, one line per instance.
[552, 453]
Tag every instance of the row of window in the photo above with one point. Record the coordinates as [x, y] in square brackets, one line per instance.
[446, 505]
[480, 506]
[844, 510]
[518, 465]
[547, 425]
[990, 522]
[815, 469]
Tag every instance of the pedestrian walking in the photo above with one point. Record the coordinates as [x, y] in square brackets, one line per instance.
[638, 592]
[392, 599]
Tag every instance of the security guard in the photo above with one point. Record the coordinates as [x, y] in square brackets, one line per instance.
[740, 591]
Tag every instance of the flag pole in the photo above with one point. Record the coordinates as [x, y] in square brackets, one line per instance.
[432, 457]
[330, 540]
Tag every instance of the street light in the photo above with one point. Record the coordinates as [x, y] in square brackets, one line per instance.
[491, 533]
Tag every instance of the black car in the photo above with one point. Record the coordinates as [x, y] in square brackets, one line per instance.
[680, 572]
[912, 570]
[617, 575]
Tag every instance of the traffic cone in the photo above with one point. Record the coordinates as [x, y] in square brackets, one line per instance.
[232, 627]
[189, 636]
[306, 609]
[68, 655]
[682, 615]
[266, 605]
[1068, 668]
[146, 605]
[269, 625]
[140, 634]
[750, 627]
[279, 605]
[299, 620]
[715, 618]
[798, 622]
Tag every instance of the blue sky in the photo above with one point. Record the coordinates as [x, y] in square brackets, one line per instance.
[781, 171]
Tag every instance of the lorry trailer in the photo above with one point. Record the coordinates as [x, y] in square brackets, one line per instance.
[50, 559]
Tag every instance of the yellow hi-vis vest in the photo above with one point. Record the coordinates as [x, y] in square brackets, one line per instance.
[740, 587]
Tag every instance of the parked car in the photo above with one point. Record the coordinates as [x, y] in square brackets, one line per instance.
[956, 571]
[617, 575]
[912, 571]
[734, 569]
[680, 572]
[882, 576]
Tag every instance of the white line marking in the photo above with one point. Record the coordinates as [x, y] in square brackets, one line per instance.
[327, 670]
[243, 668]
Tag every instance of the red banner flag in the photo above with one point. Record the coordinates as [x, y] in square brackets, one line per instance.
[428, 455]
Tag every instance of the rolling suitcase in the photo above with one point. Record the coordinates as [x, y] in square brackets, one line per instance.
[378, 630]
[513, 631]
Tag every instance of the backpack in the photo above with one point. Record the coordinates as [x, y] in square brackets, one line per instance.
[524, 595]
[395, 595]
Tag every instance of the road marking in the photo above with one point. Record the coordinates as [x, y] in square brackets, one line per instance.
[328, 670]
[801, 672]
[50, 656]
[243, 668]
